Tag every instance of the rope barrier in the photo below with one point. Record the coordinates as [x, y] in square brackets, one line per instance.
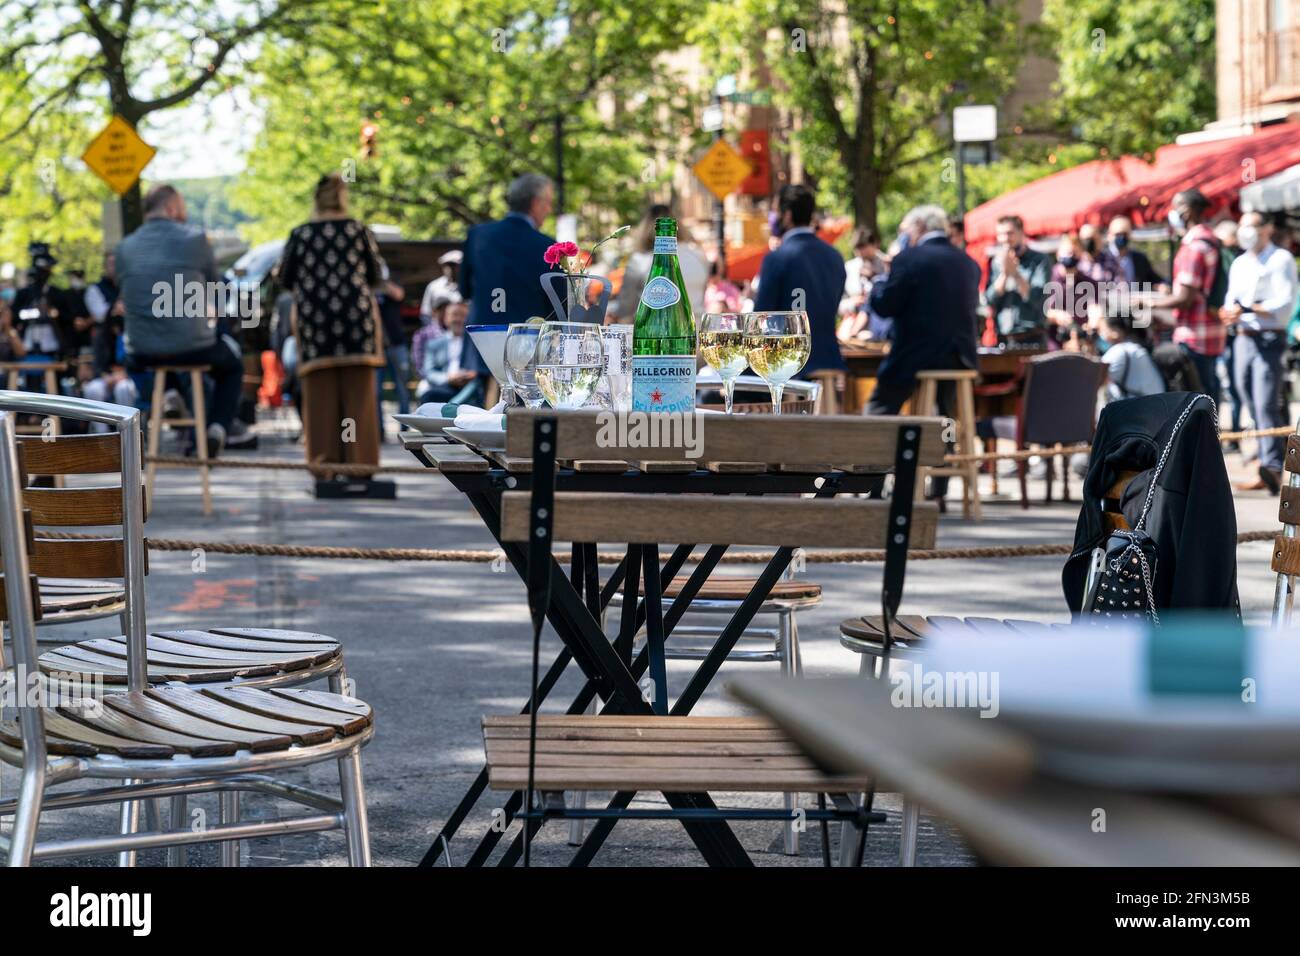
[473, 556]
[347, 468]
[278, 464]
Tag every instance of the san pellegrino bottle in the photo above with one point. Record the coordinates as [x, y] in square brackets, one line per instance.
[663, 338]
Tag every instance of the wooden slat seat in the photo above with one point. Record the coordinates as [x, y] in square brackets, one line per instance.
[215, 722]
[910, 630]
[668, 754]
[737, 589]
[193, 656]
[63, 596]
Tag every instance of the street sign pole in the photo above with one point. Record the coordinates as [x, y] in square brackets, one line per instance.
[970, 124]
[720, 208]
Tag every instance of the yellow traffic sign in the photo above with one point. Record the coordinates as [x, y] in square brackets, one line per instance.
[118, 155]
[721, 169]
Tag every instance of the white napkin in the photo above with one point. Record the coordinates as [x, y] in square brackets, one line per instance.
[481, 419]
[438, 410]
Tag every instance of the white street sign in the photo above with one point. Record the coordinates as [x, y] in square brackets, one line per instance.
[974, 124]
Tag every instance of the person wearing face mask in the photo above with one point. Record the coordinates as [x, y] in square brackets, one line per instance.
[1198, 330]
[1122, 262]
[1071, 295]
[1262, 293]
[1016, 289]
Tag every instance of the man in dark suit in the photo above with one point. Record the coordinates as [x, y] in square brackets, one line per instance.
[932, 295]
[500, 274]
[804, 274]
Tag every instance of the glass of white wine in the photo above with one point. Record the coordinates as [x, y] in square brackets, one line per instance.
[570, 360]
[722, 346]
[777, 346]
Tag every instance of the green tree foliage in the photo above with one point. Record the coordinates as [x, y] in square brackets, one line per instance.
[464, 97]
[131, 57]
[869, 83]
[1132, 75]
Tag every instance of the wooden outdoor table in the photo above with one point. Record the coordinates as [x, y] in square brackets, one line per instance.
[982, 778]
[579, 597]
[996, 366]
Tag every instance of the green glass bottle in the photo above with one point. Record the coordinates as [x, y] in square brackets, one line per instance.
[663, 339]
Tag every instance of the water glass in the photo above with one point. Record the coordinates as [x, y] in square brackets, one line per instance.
[521, 363]
[570, 362]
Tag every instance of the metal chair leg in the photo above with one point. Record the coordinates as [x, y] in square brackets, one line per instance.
[356, 825]
[229, 803]
[28, 814]
[789, 835]
[907, 834]
[578, 801]
[178, 818]
[130, 823]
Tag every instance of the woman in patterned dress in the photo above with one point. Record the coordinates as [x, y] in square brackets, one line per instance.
[332, 267]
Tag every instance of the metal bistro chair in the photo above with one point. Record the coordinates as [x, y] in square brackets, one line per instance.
[165, 741]
[247, 657]
[865, 636]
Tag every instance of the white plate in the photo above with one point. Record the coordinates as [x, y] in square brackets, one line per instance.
[1082, 697]
[421, 423]
[489, 439]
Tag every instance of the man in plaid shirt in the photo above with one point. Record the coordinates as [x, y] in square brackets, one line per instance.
[1197, 327]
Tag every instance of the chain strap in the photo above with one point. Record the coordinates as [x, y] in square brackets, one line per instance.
[1140, 527]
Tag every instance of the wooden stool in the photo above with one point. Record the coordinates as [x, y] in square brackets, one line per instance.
[927, 403]
[830, 400]
[199, 421]
[49, 384]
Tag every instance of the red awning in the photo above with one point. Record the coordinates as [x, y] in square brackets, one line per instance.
[1096, 192]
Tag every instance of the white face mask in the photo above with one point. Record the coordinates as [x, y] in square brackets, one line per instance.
[1177, 221]
[1247, 237]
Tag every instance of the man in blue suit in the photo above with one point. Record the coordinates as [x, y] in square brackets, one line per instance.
[932, 295]
[500, 274]
[804, 274]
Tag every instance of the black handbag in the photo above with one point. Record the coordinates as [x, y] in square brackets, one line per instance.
[1121, 578]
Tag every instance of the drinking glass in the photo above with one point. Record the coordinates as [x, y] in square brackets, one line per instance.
[570, 360]
[722, 346]
[521, 363]
[777, 344]
[617, 383]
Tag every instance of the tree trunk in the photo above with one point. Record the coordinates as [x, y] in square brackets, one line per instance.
[866, 196]
[132, 209]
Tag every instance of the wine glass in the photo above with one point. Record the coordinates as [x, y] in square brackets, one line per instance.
[722, 346]
[521, 363]
[777, 344]
[570, 360]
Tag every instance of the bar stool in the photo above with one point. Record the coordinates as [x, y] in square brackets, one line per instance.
[15, 371]
[927, 403]
[830, 400]
[199, 421]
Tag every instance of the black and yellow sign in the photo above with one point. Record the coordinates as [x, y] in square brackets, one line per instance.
[721, 169]
[118, 155]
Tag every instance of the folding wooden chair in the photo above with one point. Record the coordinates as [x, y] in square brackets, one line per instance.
[639, 742]
[163, 741]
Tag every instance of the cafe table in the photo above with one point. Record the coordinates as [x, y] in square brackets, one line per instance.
[579, 597]
[987, 781]
[1001, 374]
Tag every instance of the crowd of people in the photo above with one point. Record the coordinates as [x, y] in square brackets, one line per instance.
[1224, 316]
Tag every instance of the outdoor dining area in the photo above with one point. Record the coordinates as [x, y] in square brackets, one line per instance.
[661, 561]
